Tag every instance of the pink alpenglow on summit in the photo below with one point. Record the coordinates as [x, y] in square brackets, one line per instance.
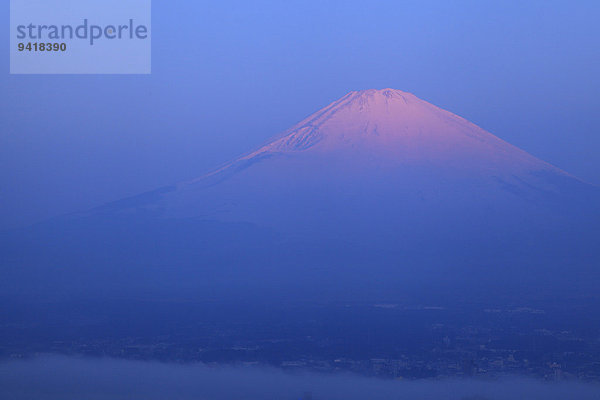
[371, 158]
[381, 167]
[395, 128]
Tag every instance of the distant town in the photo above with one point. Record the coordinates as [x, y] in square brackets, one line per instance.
[492, 343]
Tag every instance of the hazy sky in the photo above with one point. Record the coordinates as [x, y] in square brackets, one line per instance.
[227, 75]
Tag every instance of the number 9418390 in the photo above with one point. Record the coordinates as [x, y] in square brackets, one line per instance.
[42, 46]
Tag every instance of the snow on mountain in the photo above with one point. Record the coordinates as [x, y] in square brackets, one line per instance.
[397, 128]
[372, 159]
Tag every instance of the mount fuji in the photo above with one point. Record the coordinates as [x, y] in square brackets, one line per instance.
[379, 189]
[376, 161]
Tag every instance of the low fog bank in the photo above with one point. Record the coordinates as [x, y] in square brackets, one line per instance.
[64, 378]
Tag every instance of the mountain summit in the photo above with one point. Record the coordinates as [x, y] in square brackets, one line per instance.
[391, 128]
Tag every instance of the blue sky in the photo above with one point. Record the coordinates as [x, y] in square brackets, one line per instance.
[227, 75]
